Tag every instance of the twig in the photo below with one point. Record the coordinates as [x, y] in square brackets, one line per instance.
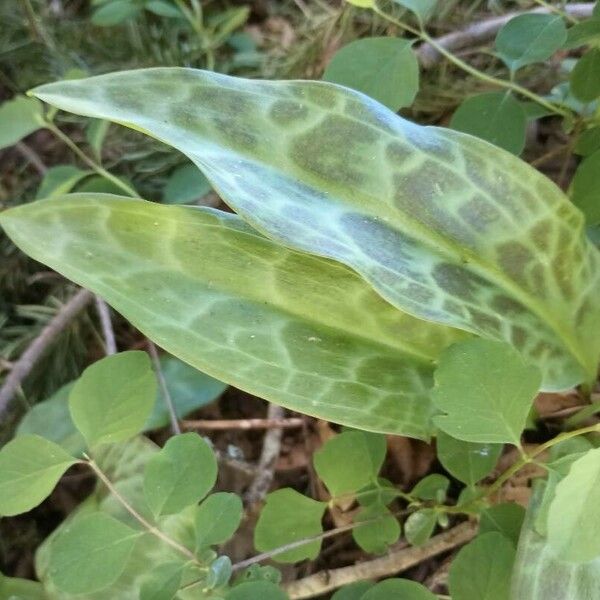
[33, 157]
[175, 428]
[394, 562]
[266, 465]
[227, 424]
[482, 31]
[110, 344]
[23, 366]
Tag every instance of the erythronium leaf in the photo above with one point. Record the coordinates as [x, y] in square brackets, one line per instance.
[539, 575]
[318, 340]
[253, 590]
[189, 389]
[180, 475]
[443, 225]
[350, 461]
[162, 582]
[506, 518]
[423, 9]
[60, 180]
[217, 519]
[530, 38]
[289, 517]
[469, 462]
[482, 569]
[384, 68]
[419, 526]
[379, 531]
[113, 398]
[585, 188]
[354, 591]
[585, 77]
[486, 390]
[398, 588]
[18, 118]
[495, 117]
[30, 467]
[574, 516]
[91, 553]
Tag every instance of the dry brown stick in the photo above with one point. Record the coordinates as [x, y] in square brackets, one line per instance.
[392, 563]
[226, 424]
[22, 367]
[266, 464]
[482, 31]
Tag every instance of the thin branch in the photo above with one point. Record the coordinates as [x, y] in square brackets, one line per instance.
[33, 157]
[482, 31]
[245, 424]
[23, 366]
[110, 344]
[395, 562]
[266, 465]
[166, 395]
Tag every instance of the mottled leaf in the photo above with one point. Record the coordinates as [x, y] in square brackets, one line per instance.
[317, 340]
[443, 225]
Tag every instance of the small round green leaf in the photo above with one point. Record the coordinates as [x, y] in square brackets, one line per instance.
[431, 487]
[256, 590]
[401, 589]
[30, 467]
[506, 518]
[112, 399]
[585, 189]
[219, 572]
[589, 140]
[419, 526]
[186, 184]
[115, 12]
[217, 519]
[350, 461]
[582, 33]
[162, 8]
[381, 530]
[486, 390]
[468, 462]
[288, 517]
[163, 582]
[354, 591]
[90, 553]
[18, 118]
[423, 9]
[585, 77]
[530, 38]
[180, 475]
[482, 569]
[384, 68]
[495, 117]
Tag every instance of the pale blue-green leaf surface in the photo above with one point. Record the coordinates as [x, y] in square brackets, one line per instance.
[443, 225]
[301, 331]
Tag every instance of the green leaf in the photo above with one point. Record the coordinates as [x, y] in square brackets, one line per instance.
[185, 185]
[162, 8]
[51, 419]
[582, 33]
[95, 133]
[539, 575]
[585, 77]
[423, 9]
[114, 13]
[482, 569]
[304, 344]
[90, 554]
[506, 518]
[431, 487]
[419, 526]
[495, 117]
[287, 517]
[585, 188]
[112, 399]
[18, 118]
[382, 530]
[354, 591]
[60, 180]
[217, 519]
[468, 462]
[442, 225]
[30, 467]
[589, 141]
[256, 589]
[219, 572]
[180, 475]
[14, 588]
[162, 582]
[486, 390]
[530, 38]
[400, 589]
[574, 516]
[189, 389]
[384, 68]
[350, 461]
[380, 491]
[100, 185]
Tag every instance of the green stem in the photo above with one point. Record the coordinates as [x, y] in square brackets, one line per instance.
[88, 161]
[137, 516]
[461, 64]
